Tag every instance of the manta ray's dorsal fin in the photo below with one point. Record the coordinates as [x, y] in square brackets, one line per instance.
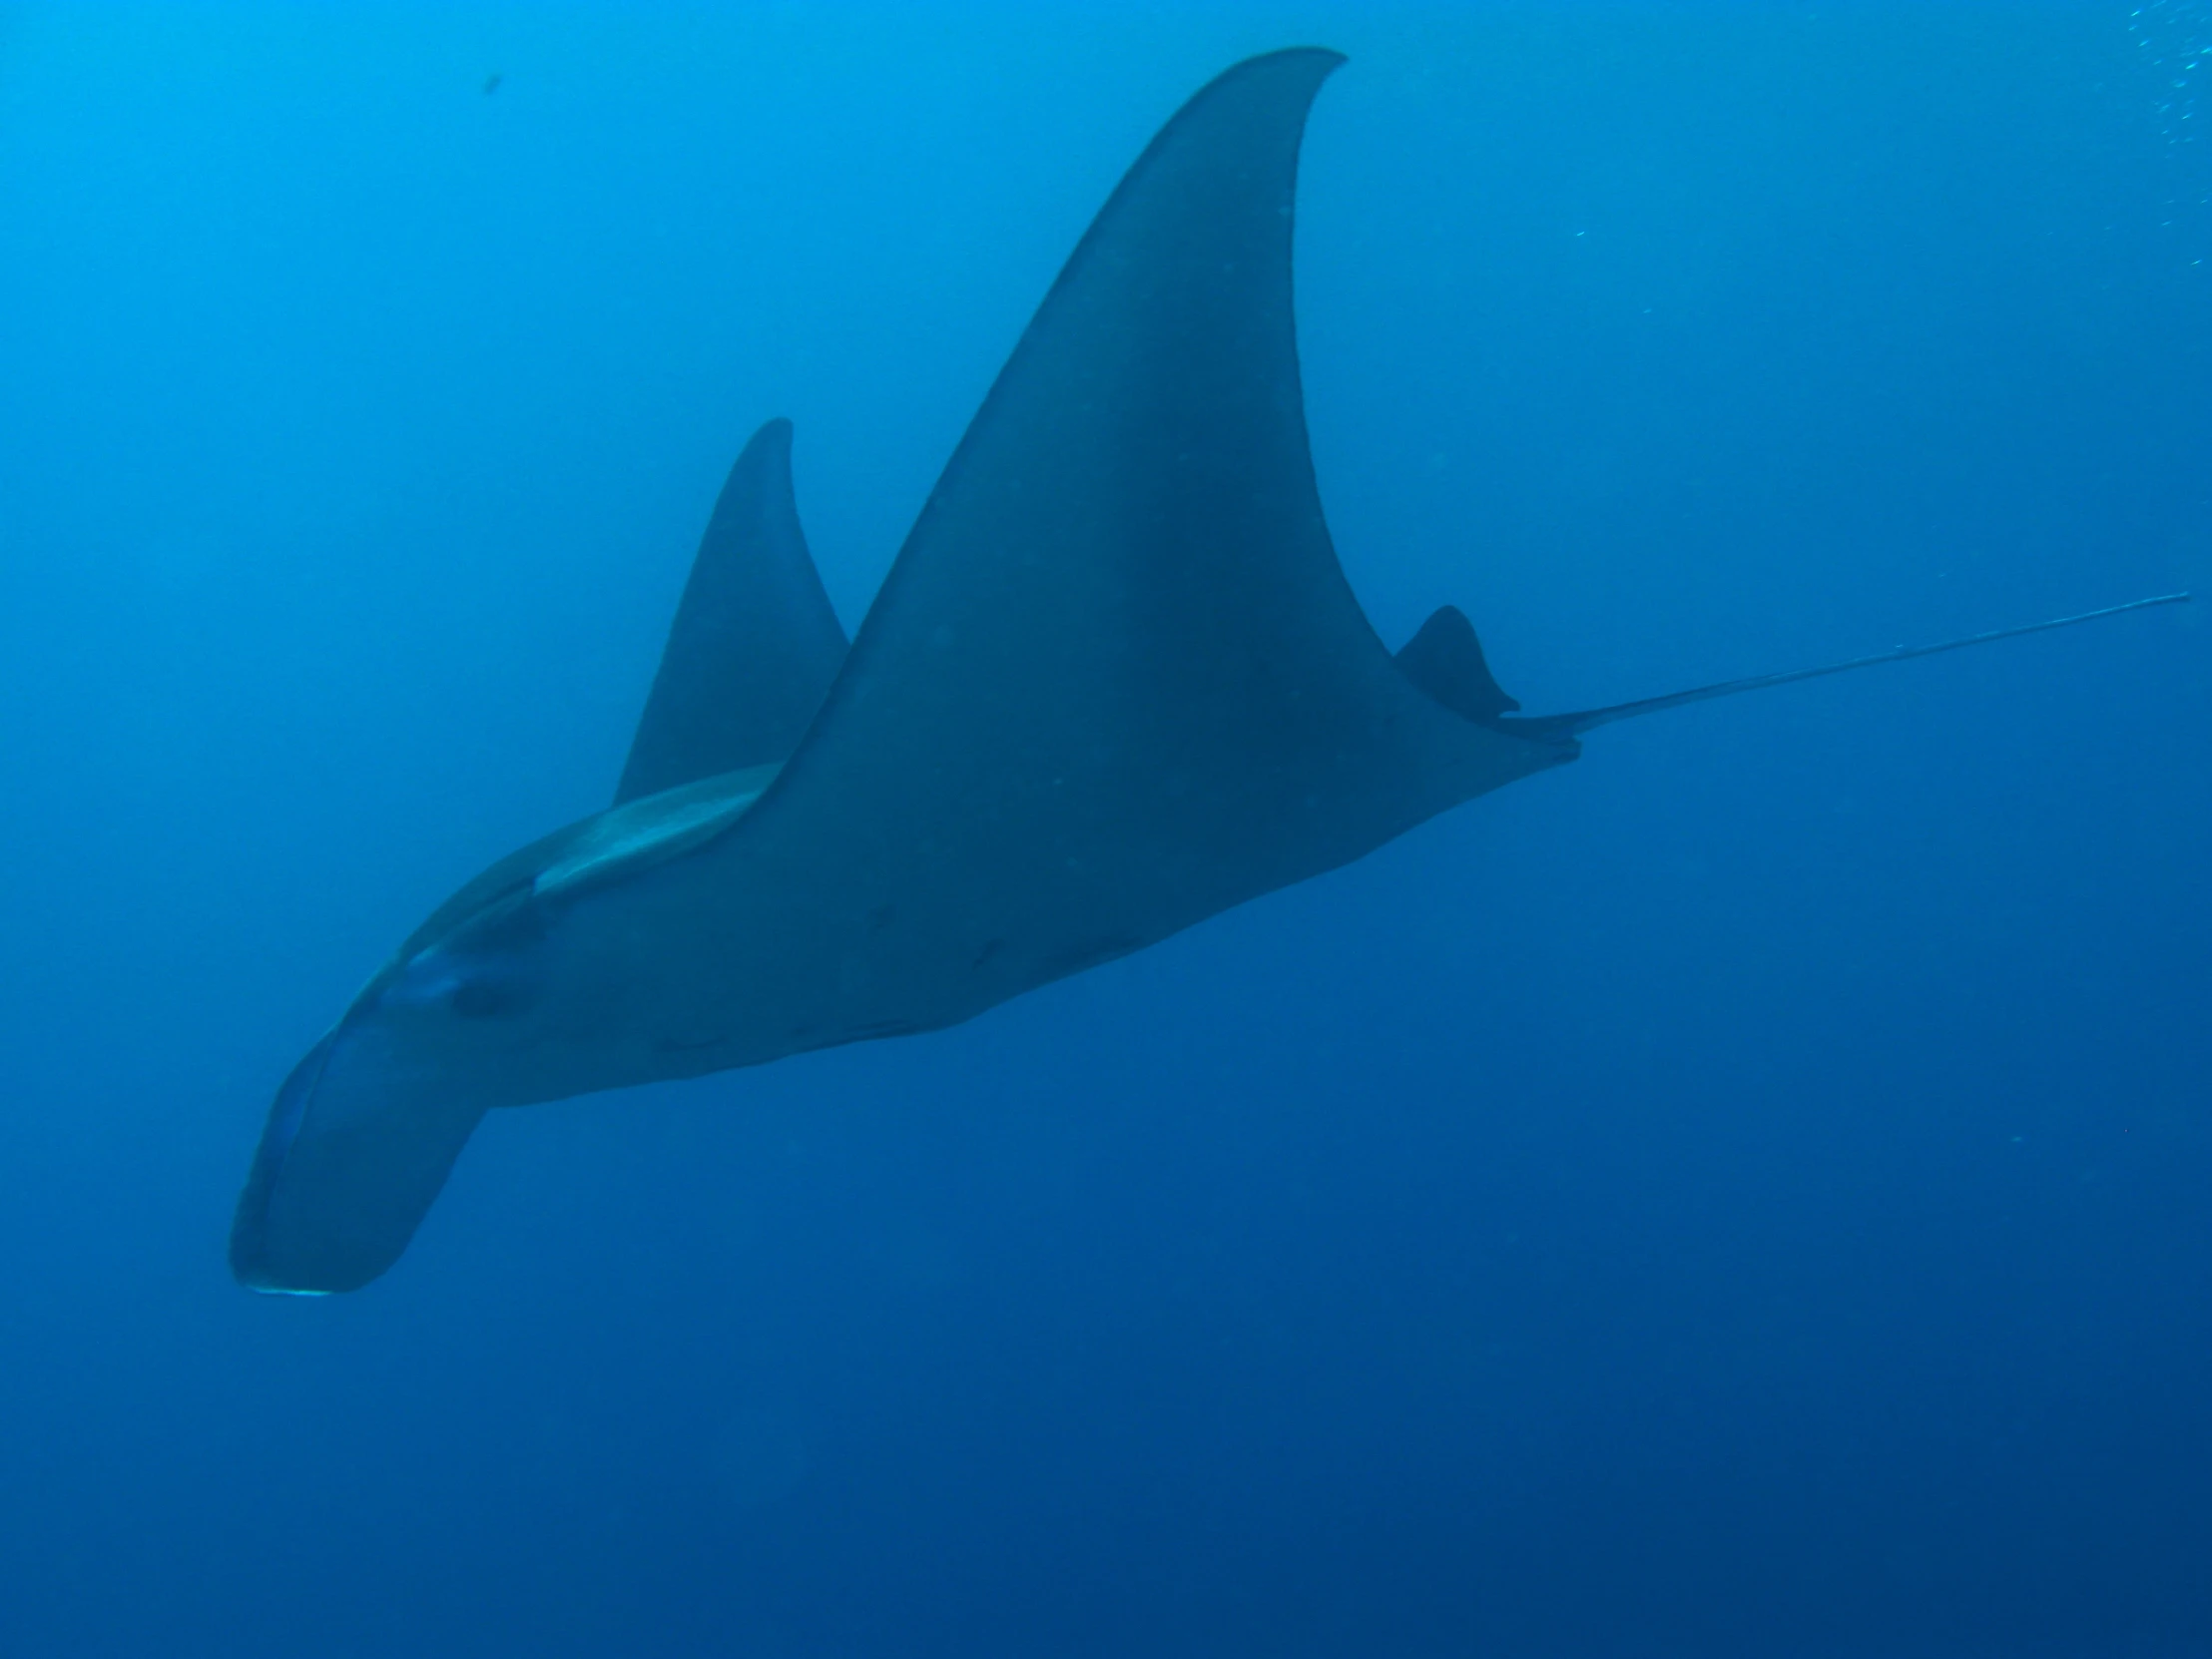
[755, 643]
[1445, 660]
[1575, 724]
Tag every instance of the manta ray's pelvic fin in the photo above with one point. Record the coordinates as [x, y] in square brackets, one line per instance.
[1575, 724]
[755, 643]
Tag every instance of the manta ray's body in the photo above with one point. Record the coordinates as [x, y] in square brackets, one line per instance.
[1114, 684]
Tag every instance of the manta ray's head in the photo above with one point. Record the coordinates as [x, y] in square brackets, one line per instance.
[492, 1001]
[364, 1129]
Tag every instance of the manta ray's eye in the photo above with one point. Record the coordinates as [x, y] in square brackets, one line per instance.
[469, 984]
[489, 995]
[487, 968]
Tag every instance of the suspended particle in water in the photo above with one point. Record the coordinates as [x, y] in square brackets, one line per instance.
[2173, 40]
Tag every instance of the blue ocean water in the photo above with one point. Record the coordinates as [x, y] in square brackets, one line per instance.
[1746, 1193]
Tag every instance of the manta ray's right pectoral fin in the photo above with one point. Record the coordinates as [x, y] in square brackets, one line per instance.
[755, 643]
[1116, 680]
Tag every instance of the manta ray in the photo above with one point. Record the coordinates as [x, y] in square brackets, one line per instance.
[1114, 684]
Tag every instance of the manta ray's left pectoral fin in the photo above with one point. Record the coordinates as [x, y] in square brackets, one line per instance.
[755, 643]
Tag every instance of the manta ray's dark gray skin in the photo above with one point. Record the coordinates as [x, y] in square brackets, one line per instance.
[1114, 684]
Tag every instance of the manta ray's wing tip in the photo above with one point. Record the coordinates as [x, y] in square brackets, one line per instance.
[1317, 61]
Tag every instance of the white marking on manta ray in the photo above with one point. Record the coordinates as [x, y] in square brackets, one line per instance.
[1114, 684]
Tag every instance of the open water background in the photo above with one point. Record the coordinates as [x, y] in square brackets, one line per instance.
[1749, 1193]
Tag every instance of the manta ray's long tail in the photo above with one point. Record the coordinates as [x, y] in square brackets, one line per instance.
[1575, 724]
